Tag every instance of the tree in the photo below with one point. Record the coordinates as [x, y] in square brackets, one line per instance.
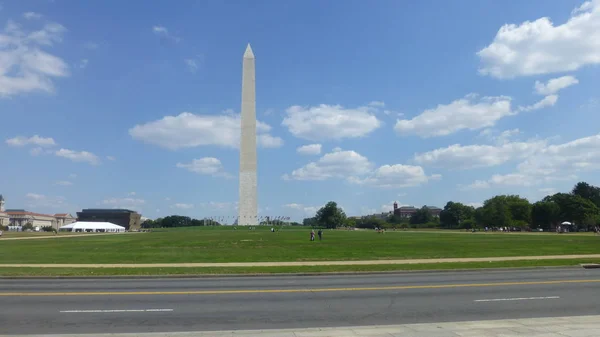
[330, 215]
[544, 214]
[421, 216]
[454, 213]
[310, 222]
[505, 211]
[370, 222]
[574, 208]
[587, 191]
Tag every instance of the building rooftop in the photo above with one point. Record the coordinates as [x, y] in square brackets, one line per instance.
[24, 212]
[106, 210]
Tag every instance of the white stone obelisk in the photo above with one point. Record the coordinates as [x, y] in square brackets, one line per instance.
[247, 205]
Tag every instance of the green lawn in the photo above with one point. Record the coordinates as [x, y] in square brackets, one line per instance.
[47, 272]
[242, 245]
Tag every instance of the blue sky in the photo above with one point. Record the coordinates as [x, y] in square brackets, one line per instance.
[106, 104]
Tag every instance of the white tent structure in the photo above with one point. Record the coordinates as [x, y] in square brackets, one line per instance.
[93, 227]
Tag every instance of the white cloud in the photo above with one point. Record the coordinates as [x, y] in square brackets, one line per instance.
[78, 156]
[33, 140]
[182, 206]
[554, 85]
[466, 113]
[539, 47]
[36, 151]
[548, 190]
[559, 162]
[208, 165]
[396, 176]
[132, 193]
[64, 183]
[163, 33]
[192, 65]
[111, 158]
[219, 205]
[24, 66]
[32, 15]
[91, 45]
[72, 175]
[340, 164]
[474, 156]
[547, 101]
[190, 130]
[83, 63]
[378, 104]
[327, 122]
[357, 169]
[311, 149]
[267, 141]
[306, 210]
[130, 203]
[35, 200]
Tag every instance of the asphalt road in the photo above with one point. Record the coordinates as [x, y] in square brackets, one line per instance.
[206, 304]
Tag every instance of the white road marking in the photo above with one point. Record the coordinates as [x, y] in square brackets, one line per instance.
[115, 310]
[518, 299]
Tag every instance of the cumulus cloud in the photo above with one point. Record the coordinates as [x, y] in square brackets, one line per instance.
[310, 149]
[396, 176]
[339, 164]
[78, 156]
[32, 15]
[547, 101]
[554, 85]
[475, 156]
[191, 64]
[128, 203]
[33, 140]
[306, 210]
[206, 166]
[164, 34]
[470, 112]
[64, 183]
[555, 162]
[357, 169]
[330, 122]
[189, 130]
[540, 47]
[24, 66]
[36, 200]
[182, 206]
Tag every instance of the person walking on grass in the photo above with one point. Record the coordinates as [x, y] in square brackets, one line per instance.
[320, 233]
[312, 235]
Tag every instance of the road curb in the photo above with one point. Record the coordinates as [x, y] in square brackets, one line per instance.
[199, 276]
[591, 265]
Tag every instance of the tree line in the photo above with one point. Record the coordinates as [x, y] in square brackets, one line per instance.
[581, 206]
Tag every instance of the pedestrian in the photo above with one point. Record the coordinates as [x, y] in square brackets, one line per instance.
[312, 235]
[320, 232]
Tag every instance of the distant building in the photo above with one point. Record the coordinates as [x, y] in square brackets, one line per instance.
[129, 219]
[20, 217]
[408, 211]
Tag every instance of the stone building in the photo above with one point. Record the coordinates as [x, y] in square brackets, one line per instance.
[20, 217]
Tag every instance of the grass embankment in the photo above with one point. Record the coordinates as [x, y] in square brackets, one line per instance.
[228, 245]
[50, 272]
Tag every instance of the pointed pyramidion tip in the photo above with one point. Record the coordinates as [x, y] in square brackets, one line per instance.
[248, 54]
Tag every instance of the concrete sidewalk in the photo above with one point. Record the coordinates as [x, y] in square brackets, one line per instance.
[303, 263]
[578, 326]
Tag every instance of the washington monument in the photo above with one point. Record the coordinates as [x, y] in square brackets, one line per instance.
[247, 205]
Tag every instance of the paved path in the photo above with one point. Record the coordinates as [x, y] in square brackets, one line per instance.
[577, 326]
[287, 302]
[301, 263]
